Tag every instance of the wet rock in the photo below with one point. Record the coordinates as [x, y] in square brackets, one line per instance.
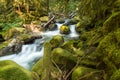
[60, 21]
[64, 29]
[70, 22]
[52, 26]
[9, 70]
[56, 41]
[10, 47]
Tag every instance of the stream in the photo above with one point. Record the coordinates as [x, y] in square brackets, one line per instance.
[30, 53]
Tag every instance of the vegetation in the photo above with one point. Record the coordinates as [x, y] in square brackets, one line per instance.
[95, 55]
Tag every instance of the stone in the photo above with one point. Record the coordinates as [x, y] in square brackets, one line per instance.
[64, 29]
[9, 70]
[52, 27]
[56, 41]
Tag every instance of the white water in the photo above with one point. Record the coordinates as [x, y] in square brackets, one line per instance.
[32, 52]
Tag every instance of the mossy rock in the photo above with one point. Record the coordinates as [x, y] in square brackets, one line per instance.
[9, 70]
[60, 21]
[44, 19]
[38, 67]
[63, 58]
[112, 23]
[56, 41]
[64, 29]
[79, 27]
[109, 47]
[5, 44]
[115, 75]
[85, 73]
[13, 32]
[52, 26]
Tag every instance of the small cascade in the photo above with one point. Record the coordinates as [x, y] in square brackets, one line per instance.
[30, 53]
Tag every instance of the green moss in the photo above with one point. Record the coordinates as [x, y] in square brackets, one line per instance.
[44, 19]
[64, 30]
[24, 37]
[116, 75]
[5, 44]
[84, 73]
[13, 32]
[56, 41]
[112, 23]
[9, 70]
[38, 67]
[63, 58]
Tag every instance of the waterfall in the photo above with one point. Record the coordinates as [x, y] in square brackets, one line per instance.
[30, 53]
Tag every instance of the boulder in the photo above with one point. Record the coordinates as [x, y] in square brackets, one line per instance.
[13, 32]
[56, 41]
[10, 46]
[52, 26]
[70, 22]
[38, 67]
[63, 58]
[85, 73]
[64, 29]
[44, 19]
[60, 21]
[9, 70]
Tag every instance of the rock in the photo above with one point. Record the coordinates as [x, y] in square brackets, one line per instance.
[52, 26]
[9, 70]
[13, 32]
[10, 46]
[44, 19]
[38, 67]
[84, 73]
[63, 58]
[115, 75]
[56, 41]
[70, 22]
[64, 29]
[60, 21]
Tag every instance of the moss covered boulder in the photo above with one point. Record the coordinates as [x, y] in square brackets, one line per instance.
[9, 70]
[56, 41]
[13, 32]
[85, 73]
[64, 29]
[38, 67]
[44, 19]
[52, 26]
[63, 58]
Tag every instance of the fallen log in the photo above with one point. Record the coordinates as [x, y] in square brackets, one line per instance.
[45, 25]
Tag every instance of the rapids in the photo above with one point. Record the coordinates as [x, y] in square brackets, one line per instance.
[30, 53]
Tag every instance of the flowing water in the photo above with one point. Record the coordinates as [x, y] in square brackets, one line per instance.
[30, 53]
